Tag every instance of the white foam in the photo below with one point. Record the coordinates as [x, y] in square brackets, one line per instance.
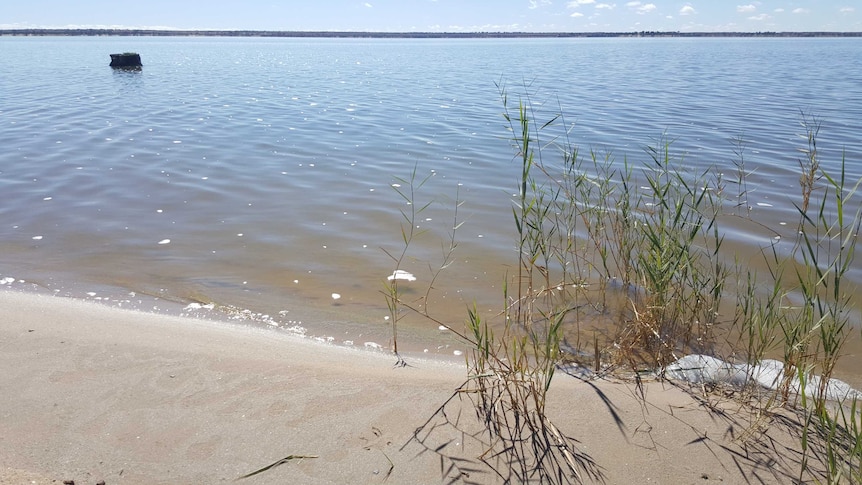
[400, 274]
[769, 374]
[198, 306]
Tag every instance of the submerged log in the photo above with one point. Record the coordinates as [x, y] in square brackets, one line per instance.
[126, 60]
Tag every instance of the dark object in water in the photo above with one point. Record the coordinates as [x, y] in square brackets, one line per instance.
[126, 60]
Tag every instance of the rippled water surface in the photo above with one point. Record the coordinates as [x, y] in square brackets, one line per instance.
[258, 173]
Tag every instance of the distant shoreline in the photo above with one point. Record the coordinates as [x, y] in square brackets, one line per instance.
[399, 35]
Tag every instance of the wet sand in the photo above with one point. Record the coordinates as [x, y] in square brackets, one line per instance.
[91, 393]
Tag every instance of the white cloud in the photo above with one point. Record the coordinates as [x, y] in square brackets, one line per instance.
[488, 27]
[606, 6]
[745, 8]
[576, 14]
[534, 4]
[801, 10]
[779, 10]
[644, 9]
[578, 3]
[847, 10]
[368, 5]
[640, 7]
[760, 17]
[687, 10]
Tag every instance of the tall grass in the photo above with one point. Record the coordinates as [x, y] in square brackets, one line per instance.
[820, 316]
[643, 247]
[406, 189]
[511, 364]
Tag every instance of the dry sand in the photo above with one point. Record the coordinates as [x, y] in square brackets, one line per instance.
[90, 393]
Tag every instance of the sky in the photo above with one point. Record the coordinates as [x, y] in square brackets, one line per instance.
[441, 15]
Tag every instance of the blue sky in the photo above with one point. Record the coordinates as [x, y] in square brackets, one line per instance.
[441, 15]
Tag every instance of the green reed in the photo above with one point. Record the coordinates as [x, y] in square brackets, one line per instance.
[644, 247]
[822, 312]
[406, 189]
[511, 365]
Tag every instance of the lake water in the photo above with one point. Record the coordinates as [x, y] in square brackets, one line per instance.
[258, 173]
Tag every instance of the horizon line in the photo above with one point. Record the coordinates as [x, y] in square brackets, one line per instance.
[359, 33]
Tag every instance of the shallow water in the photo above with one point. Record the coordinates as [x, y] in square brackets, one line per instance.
[258, 173]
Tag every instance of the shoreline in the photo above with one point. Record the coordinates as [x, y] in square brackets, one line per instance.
[94, 393]
[409, 35]
[341, 324]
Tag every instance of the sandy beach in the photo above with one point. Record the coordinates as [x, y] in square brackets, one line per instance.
[96, 394]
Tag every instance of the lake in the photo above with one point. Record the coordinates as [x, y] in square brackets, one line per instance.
[260, 174]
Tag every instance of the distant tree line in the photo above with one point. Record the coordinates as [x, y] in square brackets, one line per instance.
[398, 35]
